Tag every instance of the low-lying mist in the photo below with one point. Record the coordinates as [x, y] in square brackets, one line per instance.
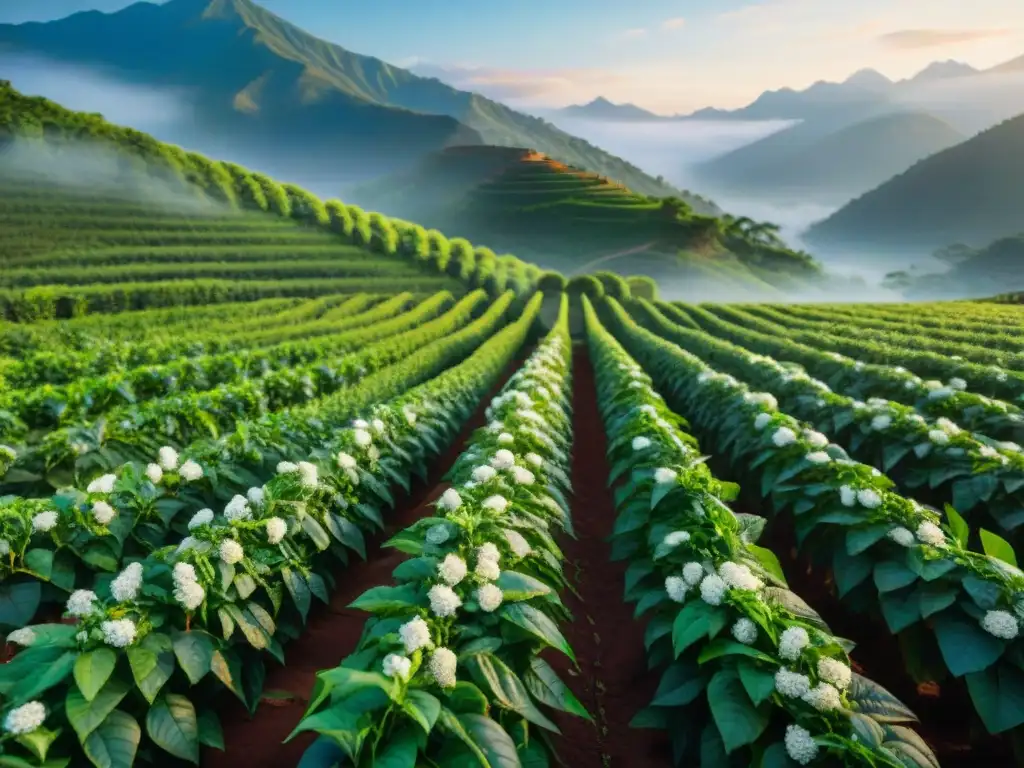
[89, 168]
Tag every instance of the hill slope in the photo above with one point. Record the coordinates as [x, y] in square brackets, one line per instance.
[567, 219]
[602, 109]
[971, 193]
[289, 102]
[95, 217]
[830, 164]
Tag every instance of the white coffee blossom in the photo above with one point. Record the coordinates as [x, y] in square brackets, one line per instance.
[443, 664]
[791, 684]
[784, 436]
[103, 513]
[881, 422]
[118, 633]
[818, 457]
[203, 517]
[503, 459]
[276, 530]
[762, 421]
[363, 438]
[641, 443]
[929, 533]
[902, 536]
[847, 496]
[81, 603]
[360, 424]
[452, 569]
[309, 475]
[126, 586]
[835, 672]
[231, 551]
[869, 498]
[938, 437]
[496, 503]
[23, 637]
[5, 547]
[25, 719]
[665, 476]
[823, 697]
[155, 473]
[256, 496]
[534, 459]
[190, 471]
[44, 521]
[103, 484]
[800, 745]
[518, 544]
[792, 643]
[449, 501]
[676, 588]
[739, 576]
[189, 594]
[505, 438]
[443, 600]
[762, 398]
[693, 573]
[347, 461]
[238, 508]
[522, 476]
[488, 570]
[484, 474]
[378, 426]
[414, 634]
[675, 539]
[744, 631]
[712, 589]
[397, 666]
[489, 597]
[1001, 624]
[488, 551]
[815, 439]
[410, 416]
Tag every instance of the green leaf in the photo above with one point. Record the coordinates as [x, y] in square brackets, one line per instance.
[422, 707]
[172, 725]
[877, 703]
[998, 696]
[725, 647]
[538, 624]
[777, 757]
[86, 716]
[507, 690]
[965, 646]
[227, 667]
[398, 752]
[299, 590]
[795, 605]
[492, 740]
[210, 732]
[44, 679]
[114, 742]
[681, 683]
[194, 651]
[152, 664]
[691, 624]
[386, 599]
[961, 531]
[547, 687]
[516, 587]
[19, 603]
[93, 669]
[38, 741]
[466, 697]
[739, 721]
[758, 682]
[997, 547]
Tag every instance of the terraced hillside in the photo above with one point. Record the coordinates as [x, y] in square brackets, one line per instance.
[566, 219]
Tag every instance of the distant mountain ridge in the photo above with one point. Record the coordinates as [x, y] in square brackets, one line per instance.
[602, 109]
[971, 193]
[306, 107]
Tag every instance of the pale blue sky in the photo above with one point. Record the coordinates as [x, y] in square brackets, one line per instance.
[667, 55]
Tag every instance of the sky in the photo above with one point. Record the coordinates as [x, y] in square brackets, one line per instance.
[669, 56]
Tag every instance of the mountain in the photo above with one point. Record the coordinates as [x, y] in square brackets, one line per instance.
[971, 193]
[943, 70]
[994, 269]
[1007, 67]
[563, 218]
[268, 94]
[827, 163]
[602, 109]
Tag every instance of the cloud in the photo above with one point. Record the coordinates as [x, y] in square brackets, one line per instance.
[675, 23]
[634, 34]
[909, 39]
[554, 86]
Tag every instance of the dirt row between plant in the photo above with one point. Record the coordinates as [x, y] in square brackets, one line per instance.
[332, 633]
[613, 681]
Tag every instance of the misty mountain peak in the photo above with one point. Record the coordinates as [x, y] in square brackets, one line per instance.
[868, 78]
[942, 70]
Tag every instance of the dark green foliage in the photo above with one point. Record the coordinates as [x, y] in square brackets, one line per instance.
[552, 282]
[642, 287]
[586, 285]
[614, 285]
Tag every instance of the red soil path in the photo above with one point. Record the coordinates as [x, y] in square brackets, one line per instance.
[613, 682]
[331, 635]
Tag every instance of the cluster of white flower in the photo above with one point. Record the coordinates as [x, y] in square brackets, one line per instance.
[204, 517]
[81, 603]
[450, 501]
[236, 510]
[665, 476]
[443, 601]
[762, 420]
[25, 719]
[277, 529]
[190, 471]
[784, 436]
[1001, 624]
[167, 458]
[792, 643]
[800, 745]
[866, 497]
[23, 637]
[187, 589]
[119, 633]
[517, 543]
[397, 666]
[443, 664]
[102, 484]
[125, 587]
[452, 569]
[415, 634]
[231, 551]
[103, 513]
[42, 522]
[765, 399]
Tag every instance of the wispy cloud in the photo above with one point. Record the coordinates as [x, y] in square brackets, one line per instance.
[909, 39]
[513, 85]
[634, 34]
[675, 23]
